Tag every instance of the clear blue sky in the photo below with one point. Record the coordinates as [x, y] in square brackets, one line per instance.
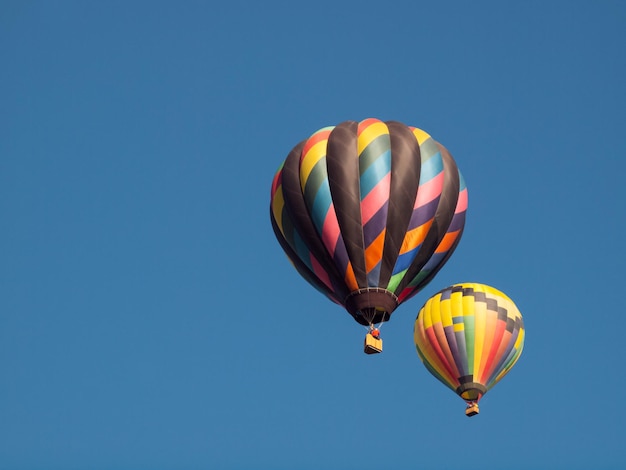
[148, 317]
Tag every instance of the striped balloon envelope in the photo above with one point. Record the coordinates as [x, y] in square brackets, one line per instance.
[469, 336]
[368, 212]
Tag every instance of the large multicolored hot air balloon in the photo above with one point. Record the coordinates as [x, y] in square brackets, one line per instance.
[469, 336]
[368, 212]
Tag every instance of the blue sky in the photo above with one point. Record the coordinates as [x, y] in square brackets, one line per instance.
[148, 317]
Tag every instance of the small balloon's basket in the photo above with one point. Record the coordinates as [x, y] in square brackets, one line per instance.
[373, 345]
[471, 410]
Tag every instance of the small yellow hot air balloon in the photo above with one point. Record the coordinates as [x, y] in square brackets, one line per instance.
[469, 336]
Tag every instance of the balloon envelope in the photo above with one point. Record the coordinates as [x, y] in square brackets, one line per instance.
[469, 336]
[368, 212]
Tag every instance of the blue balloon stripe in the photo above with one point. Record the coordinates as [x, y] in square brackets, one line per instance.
[376, 172]
[317, 193]
[373, 277]
[462, 185]
[404, 260]
[434, 261]
[302, 250]
[320, 208]
[431, 168]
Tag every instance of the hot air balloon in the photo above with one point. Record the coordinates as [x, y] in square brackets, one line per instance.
[368, 212]
[469, 336]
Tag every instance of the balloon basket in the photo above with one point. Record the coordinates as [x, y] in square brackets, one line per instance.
[471, 410]
[373, 345]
